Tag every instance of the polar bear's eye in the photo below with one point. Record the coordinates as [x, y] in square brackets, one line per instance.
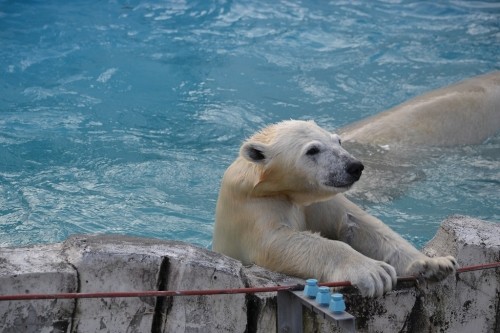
[312, 151]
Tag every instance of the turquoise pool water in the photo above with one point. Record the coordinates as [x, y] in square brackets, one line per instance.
[121, 116]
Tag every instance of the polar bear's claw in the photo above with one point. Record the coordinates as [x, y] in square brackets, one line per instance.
[374, 279]
[433, 269]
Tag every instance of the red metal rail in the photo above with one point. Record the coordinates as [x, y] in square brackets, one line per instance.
[159, 293]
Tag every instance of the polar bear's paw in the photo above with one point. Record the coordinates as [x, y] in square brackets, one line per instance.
[373, 278]
[433, 269]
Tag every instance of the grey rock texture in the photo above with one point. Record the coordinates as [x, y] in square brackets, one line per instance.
[38, 269]
[469, 302]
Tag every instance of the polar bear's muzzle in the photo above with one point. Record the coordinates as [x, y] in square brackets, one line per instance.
[351, 172]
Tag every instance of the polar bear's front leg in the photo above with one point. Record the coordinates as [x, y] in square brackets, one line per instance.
[398, 252]
[308, 255]
[341, 219]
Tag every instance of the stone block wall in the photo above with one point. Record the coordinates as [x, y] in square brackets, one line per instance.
[469, 302]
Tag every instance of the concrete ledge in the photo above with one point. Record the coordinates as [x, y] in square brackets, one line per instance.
[38, 269]
[472, 300]
[469, 303]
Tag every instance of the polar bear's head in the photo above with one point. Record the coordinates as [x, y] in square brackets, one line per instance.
[300, 157]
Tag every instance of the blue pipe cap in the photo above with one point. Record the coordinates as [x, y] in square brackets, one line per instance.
[323, 296]
[337, 304]
[311, 288]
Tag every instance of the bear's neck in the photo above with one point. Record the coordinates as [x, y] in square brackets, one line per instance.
[302, 197]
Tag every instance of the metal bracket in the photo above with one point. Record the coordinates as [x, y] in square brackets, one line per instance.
[290, 305]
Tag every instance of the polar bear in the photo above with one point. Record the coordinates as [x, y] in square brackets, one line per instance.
[467, 113]
[395, 145]
[281, 207]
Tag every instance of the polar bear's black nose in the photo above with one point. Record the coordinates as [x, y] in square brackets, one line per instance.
[355, 168]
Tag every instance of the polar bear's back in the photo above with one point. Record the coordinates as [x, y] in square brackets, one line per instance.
[465, 113]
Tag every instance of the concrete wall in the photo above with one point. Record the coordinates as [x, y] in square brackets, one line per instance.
[467, 303]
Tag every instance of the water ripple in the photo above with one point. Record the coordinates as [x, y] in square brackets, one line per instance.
[122, 116]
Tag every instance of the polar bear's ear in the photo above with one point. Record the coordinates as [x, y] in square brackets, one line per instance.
[255, 152]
